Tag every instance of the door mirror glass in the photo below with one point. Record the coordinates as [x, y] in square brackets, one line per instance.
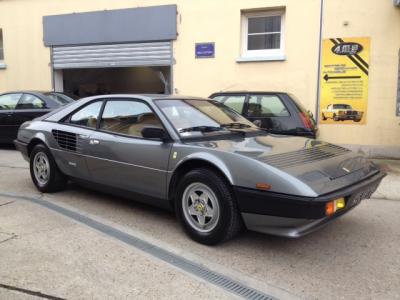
[151, 132]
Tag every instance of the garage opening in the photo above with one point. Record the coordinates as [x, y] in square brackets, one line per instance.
[90, 70]
[123, 80]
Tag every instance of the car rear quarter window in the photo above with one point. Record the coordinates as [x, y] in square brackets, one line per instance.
[30, 102]
[9, 101]
[236, 102]
[267, 106]
[87, 116]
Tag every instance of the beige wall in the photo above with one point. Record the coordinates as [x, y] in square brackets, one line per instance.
[219, 21]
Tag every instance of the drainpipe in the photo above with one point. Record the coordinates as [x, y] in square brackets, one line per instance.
[321, 20]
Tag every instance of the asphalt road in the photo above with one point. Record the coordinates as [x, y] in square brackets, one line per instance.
[356, 257]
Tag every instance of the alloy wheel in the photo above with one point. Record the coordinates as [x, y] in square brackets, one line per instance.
[200, 207]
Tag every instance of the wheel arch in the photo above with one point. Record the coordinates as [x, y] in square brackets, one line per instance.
[193, 163]
[37, 139]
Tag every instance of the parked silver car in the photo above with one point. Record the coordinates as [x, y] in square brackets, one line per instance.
[219, 171]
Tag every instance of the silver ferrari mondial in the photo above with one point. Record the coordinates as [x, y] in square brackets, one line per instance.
[218, 171]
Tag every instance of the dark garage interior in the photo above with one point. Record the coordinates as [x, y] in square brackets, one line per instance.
[100, 81]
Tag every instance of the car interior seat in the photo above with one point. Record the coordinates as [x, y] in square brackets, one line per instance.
[148, 119]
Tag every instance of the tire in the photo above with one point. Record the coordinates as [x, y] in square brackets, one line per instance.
[357, 120]
[335, 118]
[323, 117]
[44, 172]
[225, 221]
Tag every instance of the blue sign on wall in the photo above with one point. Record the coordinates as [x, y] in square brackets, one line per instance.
[205, 50]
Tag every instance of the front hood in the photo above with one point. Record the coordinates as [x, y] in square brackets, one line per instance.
[324, 167]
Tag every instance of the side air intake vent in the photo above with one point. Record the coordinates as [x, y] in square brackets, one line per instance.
[305, 156]
[67, 140]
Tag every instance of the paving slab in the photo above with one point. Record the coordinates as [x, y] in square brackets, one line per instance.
[56, 256]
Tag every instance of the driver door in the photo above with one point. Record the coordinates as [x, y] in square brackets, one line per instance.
[120, 157]
[8, 128]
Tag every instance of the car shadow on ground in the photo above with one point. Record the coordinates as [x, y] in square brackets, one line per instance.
[7, 147]
[324, 238]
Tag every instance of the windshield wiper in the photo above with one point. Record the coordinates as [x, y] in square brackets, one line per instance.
[200, 128]
[235, 125]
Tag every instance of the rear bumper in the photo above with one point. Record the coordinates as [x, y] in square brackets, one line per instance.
[294, 216]
[23, 148]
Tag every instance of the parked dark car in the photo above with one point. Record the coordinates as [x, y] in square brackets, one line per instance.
[275, 112]
[21, 106]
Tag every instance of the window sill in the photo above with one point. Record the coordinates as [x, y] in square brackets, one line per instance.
[2, 65]
[279, 57]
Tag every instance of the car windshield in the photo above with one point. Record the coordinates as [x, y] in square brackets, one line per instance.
[192, 117]
[341, 106]
[59, 98]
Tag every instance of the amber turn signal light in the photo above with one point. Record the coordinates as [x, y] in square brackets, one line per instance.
[332, 206]
[263, 186]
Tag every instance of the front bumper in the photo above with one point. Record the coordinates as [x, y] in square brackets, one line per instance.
[295, 216]
[23, 148]
[349, 117]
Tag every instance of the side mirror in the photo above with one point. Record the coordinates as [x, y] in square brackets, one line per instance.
[150, 132]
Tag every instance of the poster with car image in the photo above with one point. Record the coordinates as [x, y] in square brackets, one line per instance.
[344, 80]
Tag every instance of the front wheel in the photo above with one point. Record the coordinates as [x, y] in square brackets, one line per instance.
[206, 207]
[44, 172]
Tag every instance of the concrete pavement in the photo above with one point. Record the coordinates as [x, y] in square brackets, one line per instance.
[358, 256]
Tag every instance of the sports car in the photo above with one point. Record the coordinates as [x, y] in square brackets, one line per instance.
[217, 170]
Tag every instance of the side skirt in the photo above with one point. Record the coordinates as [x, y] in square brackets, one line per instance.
[157, 202]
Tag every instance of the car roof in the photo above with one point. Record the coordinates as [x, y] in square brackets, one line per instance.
[146, 97]
[249, 92]
[26, 91]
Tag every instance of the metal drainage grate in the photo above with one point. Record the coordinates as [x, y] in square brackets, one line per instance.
[200, 271]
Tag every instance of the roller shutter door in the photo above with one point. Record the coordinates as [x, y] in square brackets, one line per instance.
[112, 55]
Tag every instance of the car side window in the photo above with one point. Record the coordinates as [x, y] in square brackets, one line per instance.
[87, 116]
[236, 102]
[267, 106]
[30, 102]
[9, 101]
[128, 117]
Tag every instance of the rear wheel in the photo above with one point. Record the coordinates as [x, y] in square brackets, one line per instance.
[323, 117]
[206, 207]
[44, 172]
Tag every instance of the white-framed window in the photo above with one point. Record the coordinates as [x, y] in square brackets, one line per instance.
[263, 35]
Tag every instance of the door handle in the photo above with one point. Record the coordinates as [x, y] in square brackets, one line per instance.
[94, 142]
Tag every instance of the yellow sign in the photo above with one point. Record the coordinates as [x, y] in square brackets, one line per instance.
[344, 81]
